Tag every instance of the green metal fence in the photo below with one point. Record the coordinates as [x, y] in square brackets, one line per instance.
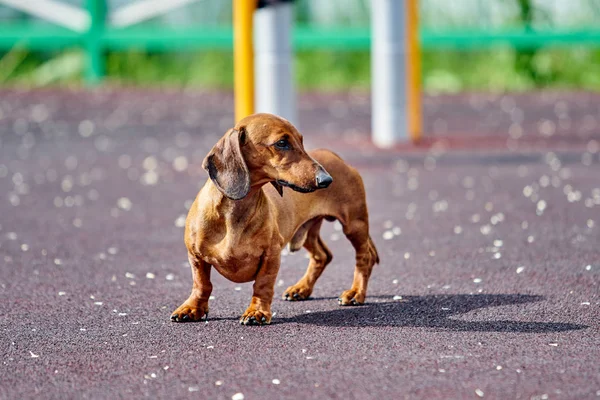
[101, 37]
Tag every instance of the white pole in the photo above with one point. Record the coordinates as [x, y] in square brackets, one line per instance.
[389, 116]
[274, 86]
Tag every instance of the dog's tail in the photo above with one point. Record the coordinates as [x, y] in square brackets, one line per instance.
[373, 251]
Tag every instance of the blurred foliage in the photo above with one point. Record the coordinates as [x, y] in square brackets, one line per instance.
[497, 69]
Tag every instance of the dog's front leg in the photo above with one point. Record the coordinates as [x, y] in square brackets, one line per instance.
[259, 310]
[196, 306]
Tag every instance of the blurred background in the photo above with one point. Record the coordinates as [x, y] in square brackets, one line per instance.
[468, 45]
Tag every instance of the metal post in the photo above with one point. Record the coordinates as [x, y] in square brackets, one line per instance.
[388, 70]
[413, 61]
[273, 59]
[95, 67]
[243, 67]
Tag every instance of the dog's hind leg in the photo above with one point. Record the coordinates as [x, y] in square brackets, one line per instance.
[366, 256]
[320, 256]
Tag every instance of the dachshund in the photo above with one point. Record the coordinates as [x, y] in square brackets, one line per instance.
[266, 191]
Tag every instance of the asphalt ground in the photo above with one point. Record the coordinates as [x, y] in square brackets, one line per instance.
[488, 232]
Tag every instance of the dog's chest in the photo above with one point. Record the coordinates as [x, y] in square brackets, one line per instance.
[228, 255]
[236, 258]
[237, 267]
[234, 241]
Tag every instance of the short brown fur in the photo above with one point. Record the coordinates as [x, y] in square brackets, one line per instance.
[239, 225]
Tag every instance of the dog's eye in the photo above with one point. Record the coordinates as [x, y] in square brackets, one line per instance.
[282, 144]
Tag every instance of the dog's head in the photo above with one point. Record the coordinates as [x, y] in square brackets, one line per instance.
[263, 148]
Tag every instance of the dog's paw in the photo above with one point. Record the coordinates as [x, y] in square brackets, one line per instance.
[296, 293]
[188, 313]
[255, 317]
[351, 298]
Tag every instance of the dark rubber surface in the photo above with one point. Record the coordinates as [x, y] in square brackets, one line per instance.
[488, 285]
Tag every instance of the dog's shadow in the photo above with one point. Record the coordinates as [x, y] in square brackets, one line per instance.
[433, 311]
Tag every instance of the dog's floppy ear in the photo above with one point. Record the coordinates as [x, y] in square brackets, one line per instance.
[278, 187]
[226, 165]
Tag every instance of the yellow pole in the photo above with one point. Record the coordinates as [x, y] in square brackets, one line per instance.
[415, 118]
[243, 57]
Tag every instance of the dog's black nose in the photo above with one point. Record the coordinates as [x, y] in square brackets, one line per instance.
[323, 179]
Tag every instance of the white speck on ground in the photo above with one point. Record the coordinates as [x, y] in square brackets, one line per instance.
[124, 203]
[180, 221]
[540, 397]
[180, 164]
[530, 239]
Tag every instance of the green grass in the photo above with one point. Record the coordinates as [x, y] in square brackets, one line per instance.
[500, 69]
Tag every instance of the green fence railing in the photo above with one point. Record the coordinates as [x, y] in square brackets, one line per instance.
[101, 37]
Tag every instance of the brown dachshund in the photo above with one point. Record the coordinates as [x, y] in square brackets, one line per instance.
[239, 225]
